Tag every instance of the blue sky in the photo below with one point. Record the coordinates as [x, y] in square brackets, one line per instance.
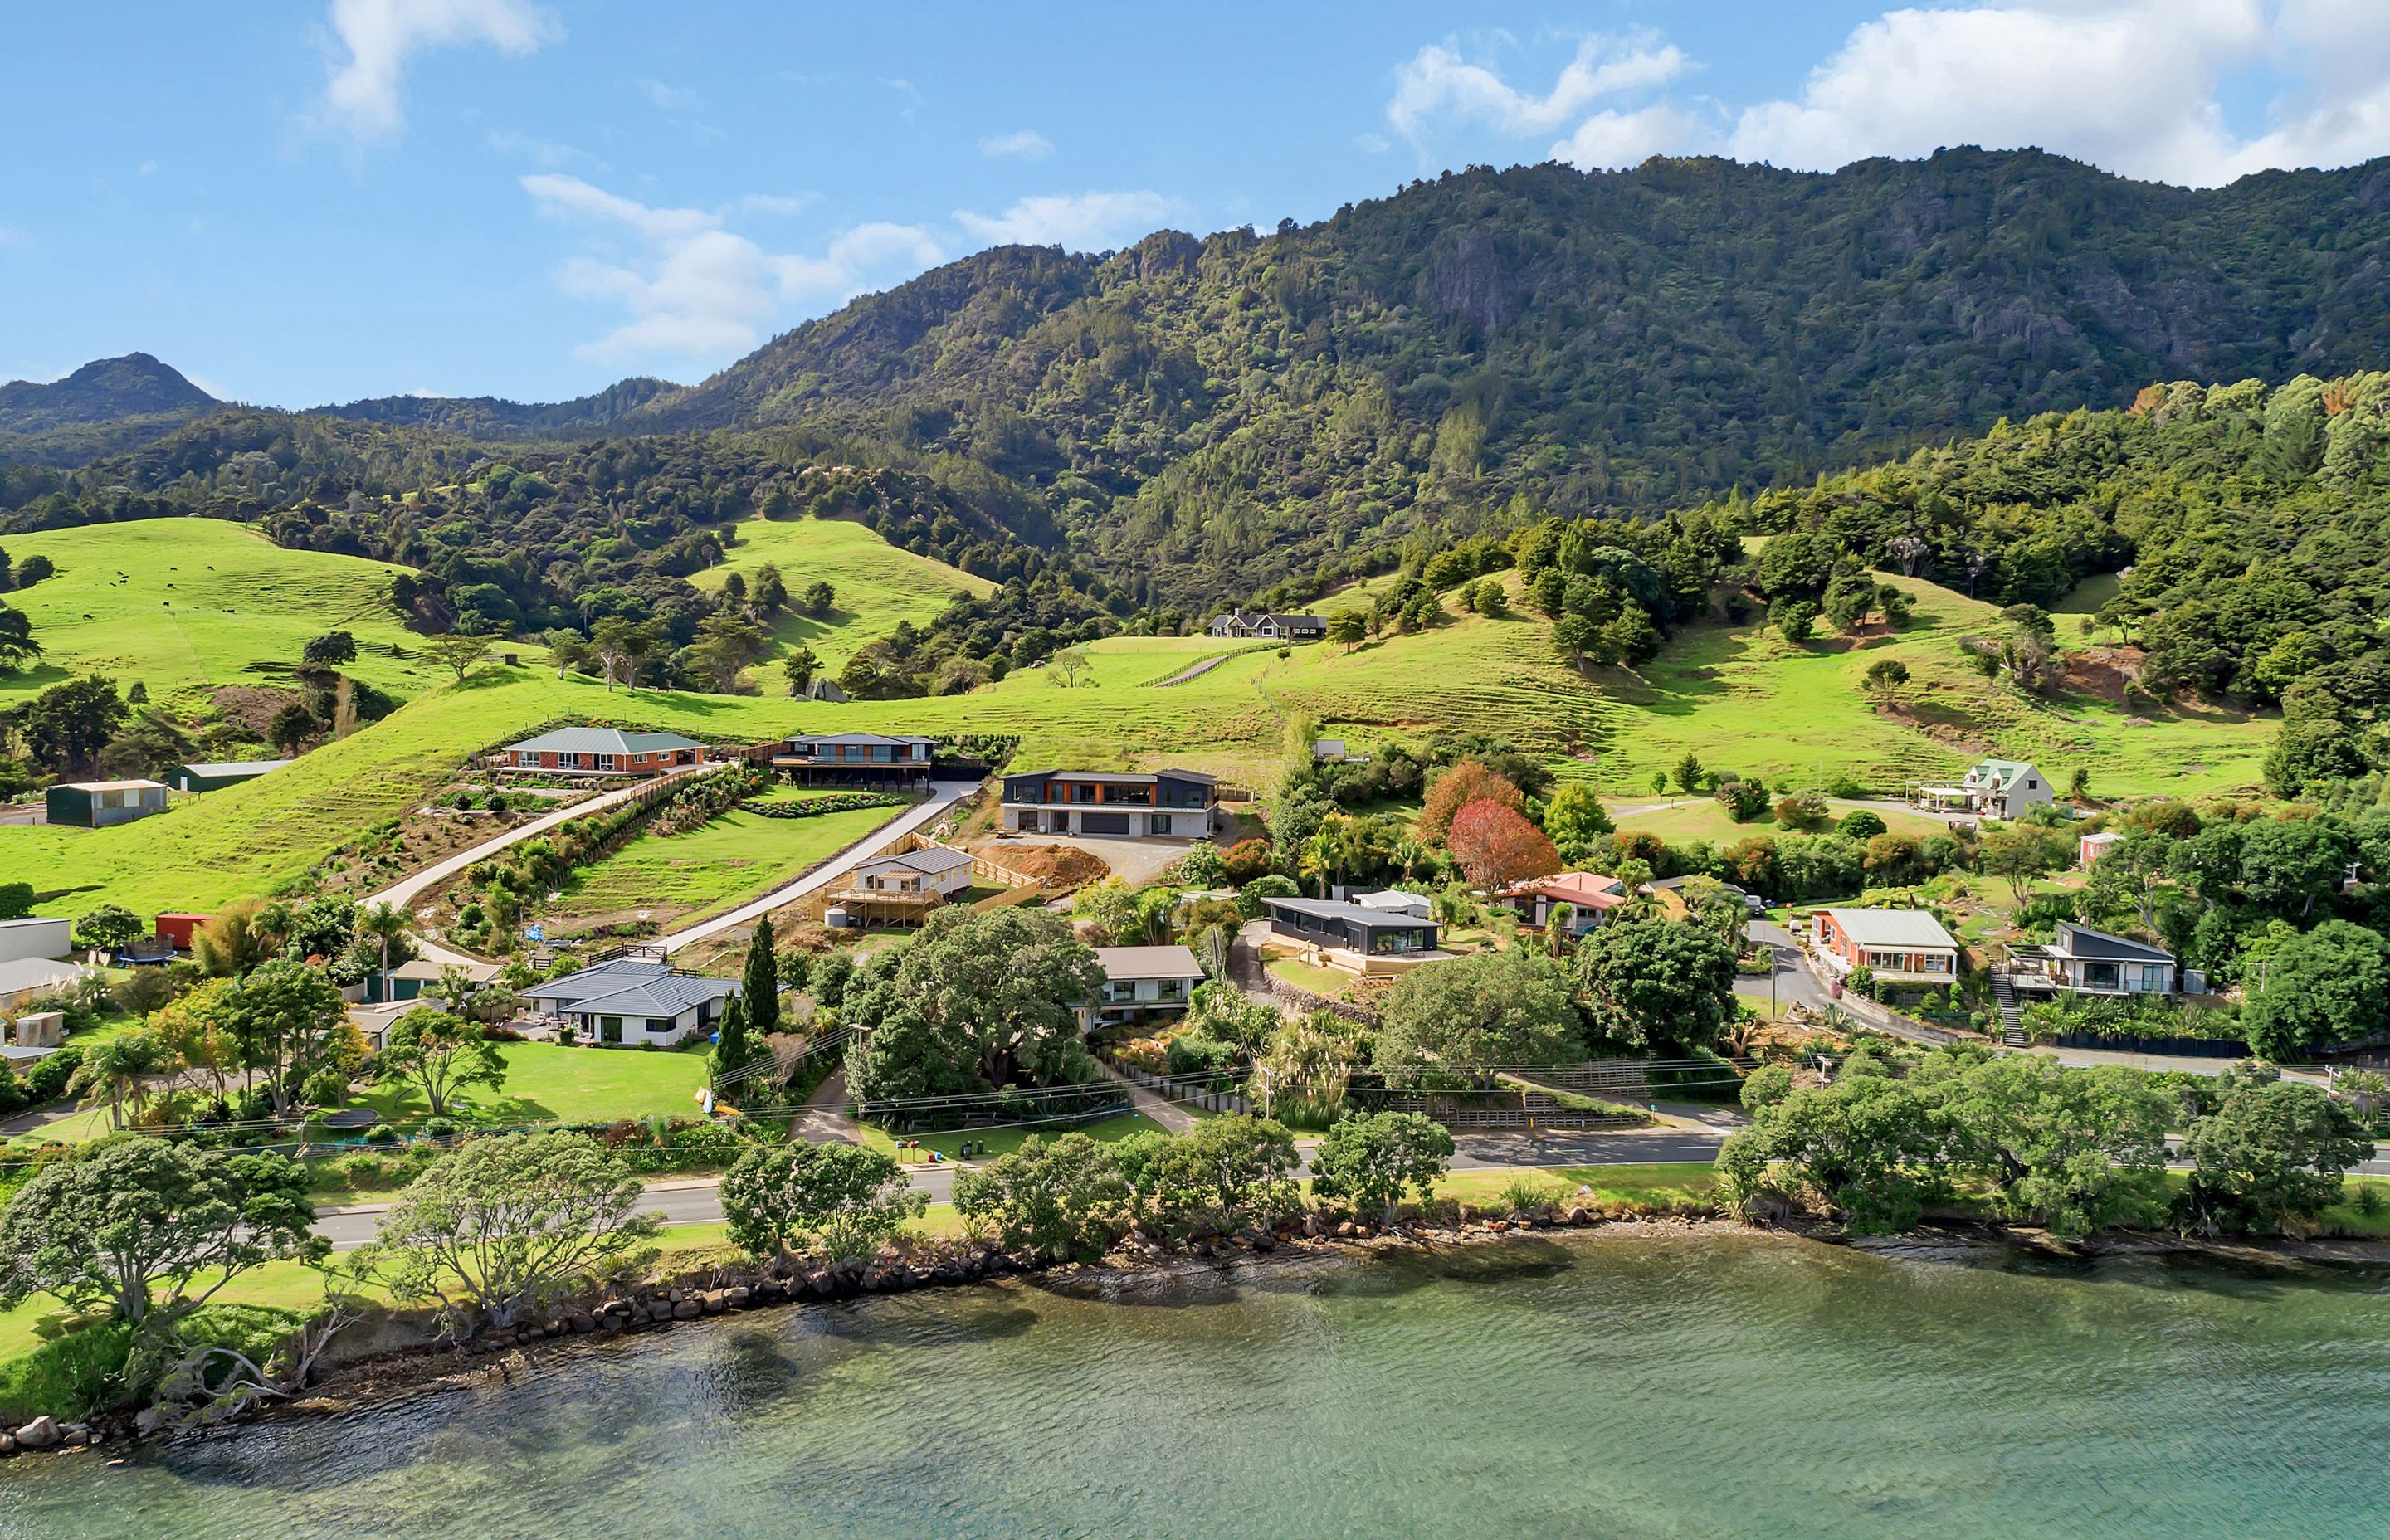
[298, 202]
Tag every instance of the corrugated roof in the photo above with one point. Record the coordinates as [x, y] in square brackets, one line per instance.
[23, 973]
[665, 996]
[114, 786]
[601, 740]
[235, 766]
[928, 862]
[1123, 963]
[618, 974]
[1116, 777]
[1892, 928]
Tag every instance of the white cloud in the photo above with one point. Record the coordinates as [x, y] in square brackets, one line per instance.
[699, 292]
[2137, 86]
[1439, 84]
[147, 168]
[364, 94]
[2129, 86]
[1027, 145]
[671, 98]
[1079, 222]
[539, 151]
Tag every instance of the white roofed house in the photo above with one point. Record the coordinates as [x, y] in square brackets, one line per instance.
[900, 889]
[1141, 982]
[1900, 945]
[633, 1002]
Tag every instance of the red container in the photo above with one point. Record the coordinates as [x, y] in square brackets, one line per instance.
[178, 927]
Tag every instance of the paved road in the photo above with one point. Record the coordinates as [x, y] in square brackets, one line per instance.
[943, 795]
[406, 889]
[697, 1201]
[1794, 984]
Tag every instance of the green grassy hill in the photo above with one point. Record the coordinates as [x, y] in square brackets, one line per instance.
[179, 603]
[876, 583]
[1740, 696]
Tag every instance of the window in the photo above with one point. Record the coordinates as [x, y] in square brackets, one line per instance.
[609, 1029]
[605, 762]
[659, 1026]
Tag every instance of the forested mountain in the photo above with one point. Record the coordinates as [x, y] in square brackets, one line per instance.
[108, 405]
[1219, 415]
[133, 385]
[492, 417]
[1200, 422]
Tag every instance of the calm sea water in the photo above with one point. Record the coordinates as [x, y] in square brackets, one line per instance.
[1591, 1386]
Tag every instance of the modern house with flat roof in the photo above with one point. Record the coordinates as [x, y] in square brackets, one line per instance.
[633, 1002]
[869, 760]
[602, 751]
[21, 940]
[1904, 945]
[1140, 981]
[1173, 804]
[99, 804]
[1352, 936]
[2083, 961]
[215, 775]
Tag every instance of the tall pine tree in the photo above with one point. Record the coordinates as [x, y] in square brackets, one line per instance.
[760, 985]
[754, 1013]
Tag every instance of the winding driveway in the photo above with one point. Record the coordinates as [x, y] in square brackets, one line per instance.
[943, 795]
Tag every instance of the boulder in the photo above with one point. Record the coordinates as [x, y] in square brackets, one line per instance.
[40, 1433]
[7, 1445]
[688, 1310]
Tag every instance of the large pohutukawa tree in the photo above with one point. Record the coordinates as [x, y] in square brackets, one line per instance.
[975, 1002]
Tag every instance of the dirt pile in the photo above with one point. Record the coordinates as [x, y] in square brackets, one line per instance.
[1055, 865]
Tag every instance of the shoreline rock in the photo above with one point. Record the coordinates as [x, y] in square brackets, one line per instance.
[430, 1360]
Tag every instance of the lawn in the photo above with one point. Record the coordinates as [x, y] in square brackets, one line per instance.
[732, 858]
[875, 583]
[1705, 818]
[548, 1083]
[1330, 981]
[1740, 697]
[1744, 698]
[177, 603]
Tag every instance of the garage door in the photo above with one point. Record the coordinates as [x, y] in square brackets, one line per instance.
[1103, 823]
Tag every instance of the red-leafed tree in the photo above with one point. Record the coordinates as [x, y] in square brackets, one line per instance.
[1455, 789]
[1497, 847]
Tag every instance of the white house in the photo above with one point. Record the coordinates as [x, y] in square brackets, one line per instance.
[21, 940]
[1242, 622]
[633, 1002]
[22, 979]
[1996, 789]
[1141, 982]
[931, 870]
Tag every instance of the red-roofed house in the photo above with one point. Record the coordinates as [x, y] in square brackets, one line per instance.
[1589, 895]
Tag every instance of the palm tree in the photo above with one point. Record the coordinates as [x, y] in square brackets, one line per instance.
[1556, 929]
[385, 923]
[1322, 854]
[117, 1072]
